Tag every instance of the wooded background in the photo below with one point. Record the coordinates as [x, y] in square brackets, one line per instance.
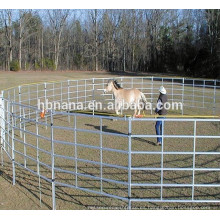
[180, 41]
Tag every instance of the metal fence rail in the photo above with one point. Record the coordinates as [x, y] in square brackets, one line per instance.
[35, 144]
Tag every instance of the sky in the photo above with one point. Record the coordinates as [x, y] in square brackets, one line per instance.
[112, 4]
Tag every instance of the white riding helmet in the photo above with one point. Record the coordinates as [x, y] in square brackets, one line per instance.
[162, 90]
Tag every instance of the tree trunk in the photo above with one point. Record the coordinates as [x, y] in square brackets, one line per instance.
[96, 42]
[42, 50]
[20, 44]
[124, 59]
[19, 53]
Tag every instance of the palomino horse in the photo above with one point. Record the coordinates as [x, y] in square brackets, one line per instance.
[125, 96]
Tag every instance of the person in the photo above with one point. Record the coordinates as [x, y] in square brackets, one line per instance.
[161, 111]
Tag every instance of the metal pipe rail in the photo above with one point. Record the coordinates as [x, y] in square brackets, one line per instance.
[22, 129]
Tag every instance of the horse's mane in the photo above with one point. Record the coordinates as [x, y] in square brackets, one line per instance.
[116, 84]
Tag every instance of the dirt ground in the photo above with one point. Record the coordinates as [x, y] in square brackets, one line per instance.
[27, 195]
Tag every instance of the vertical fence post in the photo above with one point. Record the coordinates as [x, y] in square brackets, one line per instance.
[214, 100]
[15, 110]
[77, 91]
[129, 161]
[85, 93]
[19, 99]
[162, 150]
[13, 144]
[29, 101]
[45, 100]
[2, 121]
[52, 163]
[203, 94]
[152, 93]
[45, 92]
[2, 156]
[24, 136]
[1, 127]
[183, 95]
[75, 145]
[38, 156]
[53, 91]
[121, 81]
[194, 159]
[101, 152]
[142, 84]
[37, 94]
[9, 123]
[93, 96]
[68, 99]
[193, 93]
[172, 89]
[61, 92]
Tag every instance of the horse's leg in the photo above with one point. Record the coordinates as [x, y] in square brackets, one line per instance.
[139, 108]
[117, 108]
[135, 112]
[120, 107]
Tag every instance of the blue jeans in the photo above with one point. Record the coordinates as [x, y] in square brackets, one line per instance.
[159, 129]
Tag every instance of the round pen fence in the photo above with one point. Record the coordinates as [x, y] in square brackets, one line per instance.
[116, 156]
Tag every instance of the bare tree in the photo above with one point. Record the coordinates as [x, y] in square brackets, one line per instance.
[95, 16]
[57, 20]
[112, 39]
[7, 20]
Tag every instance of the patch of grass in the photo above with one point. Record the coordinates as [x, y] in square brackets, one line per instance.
[27, 187]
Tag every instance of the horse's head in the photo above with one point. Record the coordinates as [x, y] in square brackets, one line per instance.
[112, 84]
[109, 86]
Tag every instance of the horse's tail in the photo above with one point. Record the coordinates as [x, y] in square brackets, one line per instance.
[143, 98]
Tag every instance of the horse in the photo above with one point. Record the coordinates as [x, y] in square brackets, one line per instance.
[125, 96]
